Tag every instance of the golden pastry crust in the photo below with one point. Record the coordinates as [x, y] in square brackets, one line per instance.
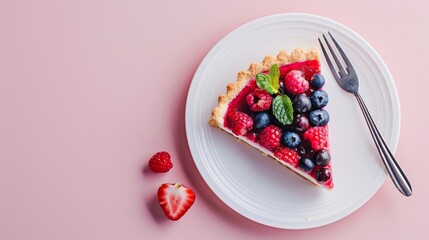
[243, 77]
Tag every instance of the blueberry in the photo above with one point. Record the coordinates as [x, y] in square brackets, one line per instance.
[317, 81]
[301, 103]
[281, 86]
[301, 151]
[323, 175]
[306, 164]
[322, 158]
[261, 120]
[300, 122]
[291, 139]
[318, 117]
[319, 99]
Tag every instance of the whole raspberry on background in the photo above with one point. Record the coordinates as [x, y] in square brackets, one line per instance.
[295, 82]
[239, 122]
[317, 136]
[160, 162]
[288, 155]
[270, 137]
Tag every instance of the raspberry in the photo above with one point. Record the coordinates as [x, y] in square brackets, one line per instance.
[259, 100]
[160, 162]
[295, 82]
[288, 155]
[270, 137]
[239, 122]
[317, 136]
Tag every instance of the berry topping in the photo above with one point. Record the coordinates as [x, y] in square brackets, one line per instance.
[261, 120]
[300, 123]
[322, 158]
[251, 136]
[270, 137]
[288, 155]
[259, 100]
[306, 164]
[239, 122]
[291, 139]
[317, 81]
[175, 200]
[323, 175]
[318, 117]
[301, 151]
[295, 82]
[319, 99]
[282, 112]
[282, 86]
[317, 136]
[160, 162]
[301, 103]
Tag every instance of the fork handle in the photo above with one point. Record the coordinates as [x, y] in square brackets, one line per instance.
[396, 174]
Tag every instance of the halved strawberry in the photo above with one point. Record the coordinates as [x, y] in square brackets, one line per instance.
[175, 199]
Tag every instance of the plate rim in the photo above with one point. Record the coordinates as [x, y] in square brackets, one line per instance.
[396, 123]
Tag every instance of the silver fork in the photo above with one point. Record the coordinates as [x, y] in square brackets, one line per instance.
[348, 80]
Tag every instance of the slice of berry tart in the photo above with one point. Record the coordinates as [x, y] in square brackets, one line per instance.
[277, 107]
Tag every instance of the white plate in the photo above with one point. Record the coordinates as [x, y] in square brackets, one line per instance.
[256, 186]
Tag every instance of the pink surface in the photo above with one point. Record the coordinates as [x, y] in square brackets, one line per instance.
[86, 99]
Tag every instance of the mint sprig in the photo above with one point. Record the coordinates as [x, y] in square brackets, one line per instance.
[283, 109]
[282, 105]
[270, 81]
[263, 81]
[274, 74]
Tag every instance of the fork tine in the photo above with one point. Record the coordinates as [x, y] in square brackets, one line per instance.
[342, 72]
[331, 66]
[345, 58]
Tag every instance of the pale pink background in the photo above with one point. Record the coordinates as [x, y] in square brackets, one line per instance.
[89, 90]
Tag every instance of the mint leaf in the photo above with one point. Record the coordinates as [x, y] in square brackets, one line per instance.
[283, 109]
[274, 75]
[264, 81]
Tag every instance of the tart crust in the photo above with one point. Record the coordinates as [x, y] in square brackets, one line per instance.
[243, 77]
